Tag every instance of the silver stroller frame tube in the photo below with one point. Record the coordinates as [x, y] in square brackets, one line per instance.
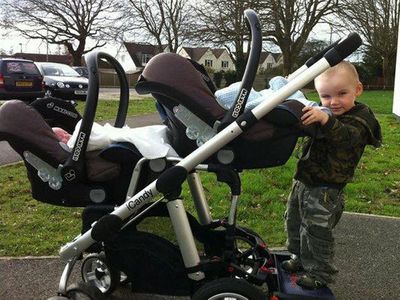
[132, 205]
[175, 207]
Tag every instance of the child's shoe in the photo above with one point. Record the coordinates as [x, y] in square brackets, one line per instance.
[310, 282]
[292, 265]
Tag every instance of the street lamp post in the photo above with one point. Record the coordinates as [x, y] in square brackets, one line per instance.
[47, 44]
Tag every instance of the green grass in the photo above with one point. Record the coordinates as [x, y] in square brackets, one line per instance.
[28, 227]
[107, 110]
[379, 101]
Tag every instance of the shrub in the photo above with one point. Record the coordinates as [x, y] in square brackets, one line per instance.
[230, 77]
[218, 78]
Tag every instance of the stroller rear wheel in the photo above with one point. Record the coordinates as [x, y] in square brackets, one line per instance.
[228, 288]
[97, 271]
[84, 291]
[152, 263]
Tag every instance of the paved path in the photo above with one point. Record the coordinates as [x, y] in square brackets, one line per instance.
[368, 257]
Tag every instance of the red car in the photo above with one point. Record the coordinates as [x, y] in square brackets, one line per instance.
[20, 79]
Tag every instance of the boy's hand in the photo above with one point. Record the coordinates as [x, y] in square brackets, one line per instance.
[314, 114]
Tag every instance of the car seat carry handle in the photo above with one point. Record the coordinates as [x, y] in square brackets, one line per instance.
[250, 72]
[351, 40]
[73, 168]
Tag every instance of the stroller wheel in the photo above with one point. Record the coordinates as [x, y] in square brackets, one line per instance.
[84, 291]
[97, 271]
[246, 256]
[123, 278]
[228, 288]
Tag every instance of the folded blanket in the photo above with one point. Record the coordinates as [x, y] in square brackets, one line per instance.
[227, 96]
[151, 141]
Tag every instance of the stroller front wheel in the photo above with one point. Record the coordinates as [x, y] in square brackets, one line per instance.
[84, 290]
[97, 271]
[228, 288]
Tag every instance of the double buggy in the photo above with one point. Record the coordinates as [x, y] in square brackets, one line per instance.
[119, 187]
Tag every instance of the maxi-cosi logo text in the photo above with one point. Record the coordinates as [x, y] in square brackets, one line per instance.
[61, 110]
[131, 204]
[65, 112]
[239, 104]
[78, 148]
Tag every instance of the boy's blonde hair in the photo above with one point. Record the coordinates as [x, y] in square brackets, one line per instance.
[342, 66]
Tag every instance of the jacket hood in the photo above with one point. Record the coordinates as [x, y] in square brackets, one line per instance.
[365, 116]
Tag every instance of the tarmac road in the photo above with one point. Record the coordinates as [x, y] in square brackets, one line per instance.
[367, 255]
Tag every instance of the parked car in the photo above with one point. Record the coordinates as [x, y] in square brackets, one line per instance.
[62, 81]
[83, 71]
[20, 79]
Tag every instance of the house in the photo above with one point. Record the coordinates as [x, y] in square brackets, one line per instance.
[140, 53]
[215, 59]
[223, 60]
[268, 61]
[202, 55]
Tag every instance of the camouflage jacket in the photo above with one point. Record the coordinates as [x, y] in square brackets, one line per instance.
[334, 155]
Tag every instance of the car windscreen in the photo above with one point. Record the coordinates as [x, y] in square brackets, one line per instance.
[12, 67]
[59, 70]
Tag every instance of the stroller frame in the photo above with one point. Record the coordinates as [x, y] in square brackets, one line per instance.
[170, 181]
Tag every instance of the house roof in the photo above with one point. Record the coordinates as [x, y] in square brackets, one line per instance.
[136, 50]
[276, 56]
[63, 59]
[196, 53]
[218, 52]
[263, 57]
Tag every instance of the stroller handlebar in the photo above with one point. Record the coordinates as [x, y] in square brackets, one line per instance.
[73, 167]
[250, 71]
[343, 48]
[317, 57]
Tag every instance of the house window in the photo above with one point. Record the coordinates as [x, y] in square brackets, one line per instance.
[208, 63]
[224, 64]
[145, 58]
[269, 65]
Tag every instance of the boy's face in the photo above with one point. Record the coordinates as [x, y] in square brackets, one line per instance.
[338, 91]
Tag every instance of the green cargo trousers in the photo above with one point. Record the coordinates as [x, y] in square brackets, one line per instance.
[312, 213]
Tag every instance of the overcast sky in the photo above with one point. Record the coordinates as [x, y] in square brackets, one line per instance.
[12, 42]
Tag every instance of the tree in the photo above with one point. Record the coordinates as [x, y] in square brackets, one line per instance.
[310, 48]
[221, 22]
[288, 24]
[69, 23]
[377, 21]
[164, 20]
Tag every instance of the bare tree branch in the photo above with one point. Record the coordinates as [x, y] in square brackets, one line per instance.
[221, 23]
[69, 23]
[164, 20]
[288, 24]
[377, 21]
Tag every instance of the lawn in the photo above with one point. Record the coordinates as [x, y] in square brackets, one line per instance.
[107, 110]
[28, 227]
